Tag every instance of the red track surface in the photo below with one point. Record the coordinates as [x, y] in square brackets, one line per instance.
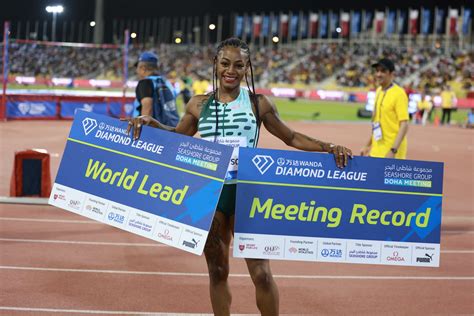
[56, 262]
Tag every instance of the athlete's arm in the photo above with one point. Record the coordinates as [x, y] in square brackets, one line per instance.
[188, 125]
[271, 119]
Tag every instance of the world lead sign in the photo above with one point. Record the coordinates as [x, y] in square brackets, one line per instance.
[164, 186]
[300, 206]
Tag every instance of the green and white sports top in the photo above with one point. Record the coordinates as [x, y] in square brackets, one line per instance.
[236, 126]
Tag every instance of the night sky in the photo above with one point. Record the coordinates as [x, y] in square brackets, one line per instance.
[84, 9]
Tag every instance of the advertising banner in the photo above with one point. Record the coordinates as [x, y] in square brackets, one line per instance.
[31, 109]
[299, 206]
[69, 108]
[164, 186]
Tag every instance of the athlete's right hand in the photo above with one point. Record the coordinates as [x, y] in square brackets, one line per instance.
[135, 124]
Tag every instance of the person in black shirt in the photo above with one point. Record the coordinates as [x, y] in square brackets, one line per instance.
[154, 94]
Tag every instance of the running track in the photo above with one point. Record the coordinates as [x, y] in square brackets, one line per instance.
[53, 262]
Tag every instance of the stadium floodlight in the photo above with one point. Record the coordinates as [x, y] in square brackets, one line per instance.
[212, 26]
[55, 10]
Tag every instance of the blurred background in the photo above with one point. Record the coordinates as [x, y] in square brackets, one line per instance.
[313, 57]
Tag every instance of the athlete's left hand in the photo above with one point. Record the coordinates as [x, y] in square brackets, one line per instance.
[341, 154]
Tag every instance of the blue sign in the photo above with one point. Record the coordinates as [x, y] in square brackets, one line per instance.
[265, 26]
[466, 19]
[31, 109]
[164, 186]
[323, 28]
[355, 23]
[425, 21]
[69, 108]
[383, 203]
[294, 26]
[115, 109]
[391, 22]
[439, 21]
[239, 26]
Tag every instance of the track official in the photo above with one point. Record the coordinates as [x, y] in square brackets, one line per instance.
[390, 116]
[154, 93]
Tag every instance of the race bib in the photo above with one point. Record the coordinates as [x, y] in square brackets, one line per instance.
[234, 142]
[376, 130]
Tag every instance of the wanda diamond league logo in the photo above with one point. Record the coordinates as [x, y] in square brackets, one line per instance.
[88, 124]
[262, 162]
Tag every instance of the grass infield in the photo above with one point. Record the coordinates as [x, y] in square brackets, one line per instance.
[308, 110]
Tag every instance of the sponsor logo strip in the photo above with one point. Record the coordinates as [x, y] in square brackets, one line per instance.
[335, 250]
[176, 234]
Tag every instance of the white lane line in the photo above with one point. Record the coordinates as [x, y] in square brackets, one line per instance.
[235, 275]
[95, 243]
[48, 220]
[131, 244]
[23, 200]
[85, 311]
[464, 218]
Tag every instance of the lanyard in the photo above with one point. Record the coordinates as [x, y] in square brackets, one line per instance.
[381, 102]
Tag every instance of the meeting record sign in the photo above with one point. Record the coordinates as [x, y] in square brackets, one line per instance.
[163, 186]
[300, 206]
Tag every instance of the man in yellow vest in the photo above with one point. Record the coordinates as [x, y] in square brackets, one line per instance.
[390, 116]
[448, 101]
[424, 108]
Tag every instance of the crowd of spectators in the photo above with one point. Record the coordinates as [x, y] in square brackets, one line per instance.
[357, 68]
[64, 61]
[457, 66]
[286, 65]
[298, 64]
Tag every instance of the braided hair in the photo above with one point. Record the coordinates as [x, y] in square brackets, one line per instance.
[237, 43]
